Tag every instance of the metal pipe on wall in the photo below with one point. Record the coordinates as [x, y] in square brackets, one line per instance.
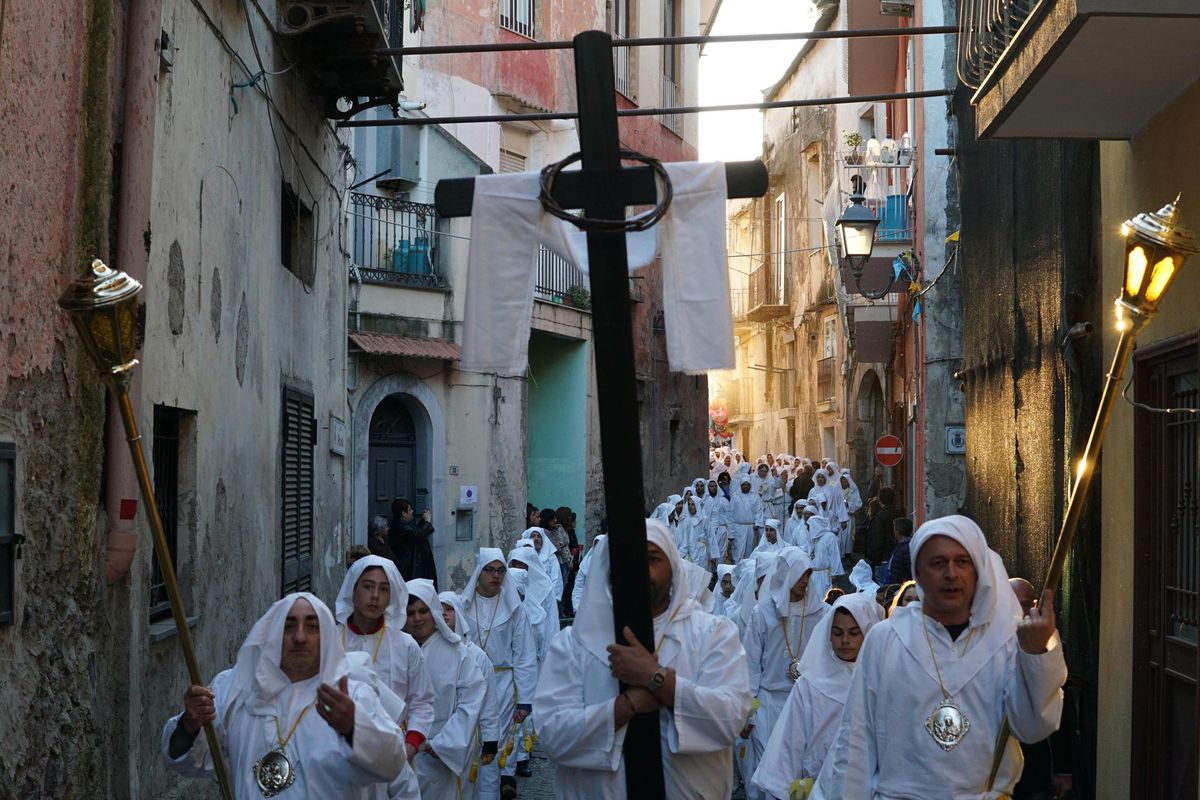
[143, 33]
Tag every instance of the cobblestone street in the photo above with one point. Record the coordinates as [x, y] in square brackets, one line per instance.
[541, 785]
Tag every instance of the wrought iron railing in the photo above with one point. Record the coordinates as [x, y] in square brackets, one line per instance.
[395, 241]
[517, 16]
[669, 90]
[825, 380]
[986, 29]
[558, 280]
[739, 303]
[621, 68]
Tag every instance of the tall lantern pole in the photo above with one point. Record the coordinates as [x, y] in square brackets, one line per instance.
[1156, 245]
[102, 304]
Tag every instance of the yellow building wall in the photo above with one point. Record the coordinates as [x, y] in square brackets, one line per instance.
[1142, 174]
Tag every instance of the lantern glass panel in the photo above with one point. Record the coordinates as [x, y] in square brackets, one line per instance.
[1135, 270]
[1164, 270]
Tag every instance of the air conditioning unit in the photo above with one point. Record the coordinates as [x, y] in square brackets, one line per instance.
[896, 8]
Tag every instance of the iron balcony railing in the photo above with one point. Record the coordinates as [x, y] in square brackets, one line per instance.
[395, 241]
[765, 288]
[558, 280]
[621, 68]
[986, 29]
[517, 16]
[669, 90]
[738, 301]
[825, 380]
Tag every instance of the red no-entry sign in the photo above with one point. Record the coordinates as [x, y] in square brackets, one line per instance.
[888, 450]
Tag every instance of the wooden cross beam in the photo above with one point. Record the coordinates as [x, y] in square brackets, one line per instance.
[603, 189]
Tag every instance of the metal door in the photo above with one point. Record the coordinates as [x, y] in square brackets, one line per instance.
[392, 456]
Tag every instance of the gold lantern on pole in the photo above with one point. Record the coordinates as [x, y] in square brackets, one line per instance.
[102, 304]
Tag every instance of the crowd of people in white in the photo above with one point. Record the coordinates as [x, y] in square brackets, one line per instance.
[764, 676]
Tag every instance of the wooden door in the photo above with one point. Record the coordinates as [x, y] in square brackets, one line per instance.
[1167, 572]
[392, 456]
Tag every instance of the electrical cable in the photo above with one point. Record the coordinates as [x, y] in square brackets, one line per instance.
[1153, 409]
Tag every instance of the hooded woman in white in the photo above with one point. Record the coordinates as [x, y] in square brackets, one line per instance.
[694, 537]
[863, 579]
[535, 586]
[772, 538]
[826, 554]
[259, 709]
[581, 574]
[489, 728]
[460, 687]
[916, 680]
[810, 717]
[834, 508]
[395, 657]
[577, 701]
[501, 628]
[721, 603]
[780, 626]
[795, 531]
[547, 556]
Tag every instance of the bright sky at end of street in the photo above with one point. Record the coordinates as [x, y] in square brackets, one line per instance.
[738, 73]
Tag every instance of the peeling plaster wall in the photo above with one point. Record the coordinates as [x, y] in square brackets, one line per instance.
[58, 105]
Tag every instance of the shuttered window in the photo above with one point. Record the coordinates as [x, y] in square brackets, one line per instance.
[511, 161]
[299, 437]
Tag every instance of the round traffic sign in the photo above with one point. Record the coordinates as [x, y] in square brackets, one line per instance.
[888, 450]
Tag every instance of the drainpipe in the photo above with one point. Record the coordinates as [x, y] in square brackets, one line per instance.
[140, 82]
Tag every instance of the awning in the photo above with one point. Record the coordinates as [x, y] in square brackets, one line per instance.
[391, 344]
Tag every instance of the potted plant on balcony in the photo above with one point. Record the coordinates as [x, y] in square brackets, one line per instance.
[853, 140]
[579, 297]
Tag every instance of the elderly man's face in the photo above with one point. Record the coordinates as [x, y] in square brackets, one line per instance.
[660, 577]
[300, 652]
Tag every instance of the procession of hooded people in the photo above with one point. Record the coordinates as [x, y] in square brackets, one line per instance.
[760, 679]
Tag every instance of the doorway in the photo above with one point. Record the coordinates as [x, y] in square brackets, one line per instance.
[1167, 573]
[392, 455]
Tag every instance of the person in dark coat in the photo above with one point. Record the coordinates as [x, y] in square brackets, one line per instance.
[409, 539]
[882, 537]
[899, 564]
[802, 485]
[377, 539]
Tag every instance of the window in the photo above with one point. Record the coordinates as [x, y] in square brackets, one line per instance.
[8, 529]
[511, 162]
[816, 196]
[517, 16]
[299, 434]
[173, 458]
[779, 248]
[622, 29]
[670, 81]
[829, 337]
[296, 229]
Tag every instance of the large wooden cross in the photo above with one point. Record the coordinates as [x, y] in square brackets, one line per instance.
[603, 189]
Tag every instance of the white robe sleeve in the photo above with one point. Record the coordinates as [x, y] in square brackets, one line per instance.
[1033, 695]
[377, 755]
[489, 718]
[455, 743]
[781, 761]
[855, 740]
[419, 694]
[711, 709]
[197, 761]
[573, 733]
[524, 652]
[756, 637]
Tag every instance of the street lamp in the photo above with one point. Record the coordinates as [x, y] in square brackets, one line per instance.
[102, 304]
[1156, 245]
[856, 229]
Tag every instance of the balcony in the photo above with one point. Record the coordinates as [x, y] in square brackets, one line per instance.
[825, 381]
[621, 73]
[768, 294]
[336, 42]
[669, 91]
[560, 281]
[395, 242]
[517, 16]
[1075, 69]
[885, 189]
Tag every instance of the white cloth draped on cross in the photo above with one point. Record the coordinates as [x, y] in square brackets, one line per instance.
[508, 222]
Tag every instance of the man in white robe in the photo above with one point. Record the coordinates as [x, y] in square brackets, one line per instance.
[489, 728]
[771, 541]
[934, 681]
[501, 628]
[695, 538]
[460, 687]
[746, 515]
[371, 611]
[541, 610]
[780, 626]
[716, 508]
[809, 721]
[291, 662]
[699, 668]
[581, 574]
